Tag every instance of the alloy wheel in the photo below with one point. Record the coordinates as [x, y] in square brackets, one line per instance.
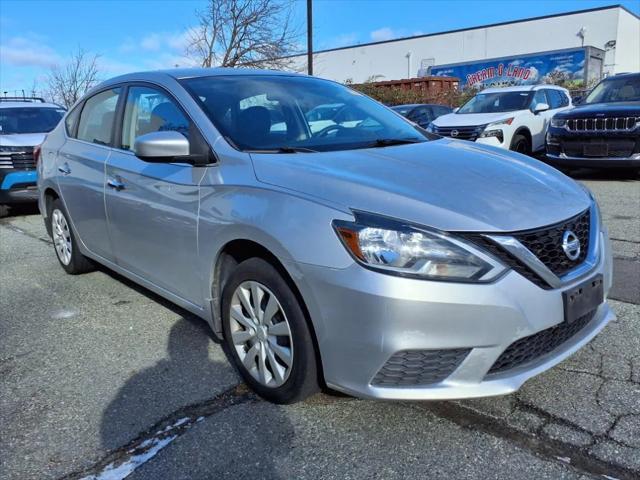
[261, 334]
[61, 236]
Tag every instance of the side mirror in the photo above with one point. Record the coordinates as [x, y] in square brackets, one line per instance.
[541, 107]
[162, 147]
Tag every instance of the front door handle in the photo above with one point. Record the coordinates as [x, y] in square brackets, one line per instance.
[116, 184]
[64, 169]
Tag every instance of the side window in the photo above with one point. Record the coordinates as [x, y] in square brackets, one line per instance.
[539, 98]
[555, 97]
[442, 111]
[421, 115]
[72, 120]
[150, 110]
[96, 119]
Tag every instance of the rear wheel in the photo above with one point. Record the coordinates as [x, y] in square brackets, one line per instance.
[520, 144]
[65, 243]
[267, 335]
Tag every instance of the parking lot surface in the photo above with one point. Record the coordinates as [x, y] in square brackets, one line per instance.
[100, 378]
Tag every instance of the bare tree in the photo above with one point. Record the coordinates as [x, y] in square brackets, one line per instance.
[68, 82]
[243, 33]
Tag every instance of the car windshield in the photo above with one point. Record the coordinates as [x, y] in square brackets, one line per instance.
[272, 113]
[402, 110]
[496, 102]
[616, 90]
[29, 119]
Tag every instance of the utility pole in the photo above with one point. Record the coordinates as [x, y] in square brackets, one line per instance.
[310, 37]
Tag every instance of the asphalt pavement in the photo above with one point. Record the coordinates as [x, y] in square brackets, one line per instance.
[100, 378]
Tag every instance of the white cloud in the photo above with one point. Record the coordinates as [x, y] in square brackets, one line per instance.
[382, 34]
[152, 42]
[344, 40]
[158, 41]
[28, 51]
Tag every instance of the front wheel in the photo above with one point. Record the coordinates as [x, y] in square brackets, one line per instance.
[267, 335]
[520, 144]
[65, 243]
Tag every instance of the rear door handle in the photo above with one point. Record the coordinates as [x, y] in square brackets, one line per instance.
[64, 169]
[116, 184]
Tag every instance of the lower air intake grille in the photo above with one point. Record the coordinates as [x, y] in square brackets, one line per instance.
[529, 349]
[419, 367]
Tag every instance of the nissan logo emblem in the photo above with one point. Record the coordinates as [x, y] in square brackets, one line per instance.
[571, 245]
[454, 133]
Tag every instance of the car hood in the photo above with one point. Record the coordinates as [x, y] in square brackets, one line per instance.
[471, 119]
[22, 139]
[445, 184]
[614, 109]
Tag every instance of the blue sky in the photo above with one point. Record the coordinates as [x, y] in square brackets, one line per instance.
[149, 34]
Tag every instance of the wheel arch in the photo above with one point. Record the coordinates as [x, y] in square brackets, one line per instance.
[525, 132]
[229, 256]
[49, 195]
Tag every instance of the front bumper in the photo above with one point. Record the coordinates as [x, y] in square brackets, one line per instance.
[362, 318]
[565, 148]
[18, 186]
[563, 160]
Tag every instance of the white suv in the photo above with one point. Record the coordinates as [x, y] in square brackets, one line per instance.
[515, 118]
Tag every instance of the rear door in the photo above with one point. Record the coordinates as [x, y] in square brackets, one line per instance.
[81, 170]
[152, 208]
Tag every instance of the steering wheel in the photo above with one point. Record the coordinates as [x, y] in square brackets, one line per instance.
[325, 131]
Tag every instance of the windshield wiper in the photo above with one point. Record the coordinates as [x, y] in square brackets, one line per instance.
[388, 142]
[288, 149]
[283, 149]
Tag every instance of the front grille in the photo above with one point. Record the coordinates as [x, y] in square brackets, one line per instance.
[460, 133]
[508, 259]
[20, 158]
[546, 244]
[419, 367]
[611, 124]
[614, 147]
[531, 348]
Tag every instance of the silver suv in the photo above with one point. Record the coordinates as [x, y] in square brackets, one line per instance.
[364, 255]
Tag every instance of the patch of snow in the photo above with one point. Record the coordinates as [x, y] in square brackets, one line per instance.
[112, 472]
[564, 459]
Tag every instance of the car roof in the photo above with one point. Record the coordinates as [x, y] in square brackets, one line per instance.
[182, 73]
[28, 104]
[522, 88]
[622, 75]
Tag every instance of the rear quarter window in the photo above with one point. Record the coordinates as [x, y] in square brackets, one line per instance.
[71, 122]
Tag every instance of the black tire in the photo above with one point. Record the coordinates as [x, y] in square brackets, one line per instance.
[4, 210]
[77, 263]
[520, 144]
[302, 380]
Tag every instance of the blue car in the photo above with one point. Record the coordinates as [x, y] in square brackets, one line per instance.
[24, 123]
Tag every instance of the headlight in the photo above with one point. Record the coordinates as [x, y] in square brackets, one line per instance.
[501, 123]
[396, 248]
[558, 122]
[494, 130]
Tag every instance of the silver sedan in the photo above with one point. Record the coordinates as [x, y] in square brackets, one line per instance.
[347, 249]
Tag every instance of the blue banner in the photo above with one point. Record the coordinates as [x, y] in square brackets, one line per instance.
[520, 70]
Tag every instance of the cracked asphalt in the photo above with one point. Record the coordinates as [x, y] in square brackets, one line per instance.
[95, 371]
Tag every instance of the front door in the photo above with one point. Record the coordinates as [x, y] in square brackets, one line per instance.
[152, 208]
[81, 167]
